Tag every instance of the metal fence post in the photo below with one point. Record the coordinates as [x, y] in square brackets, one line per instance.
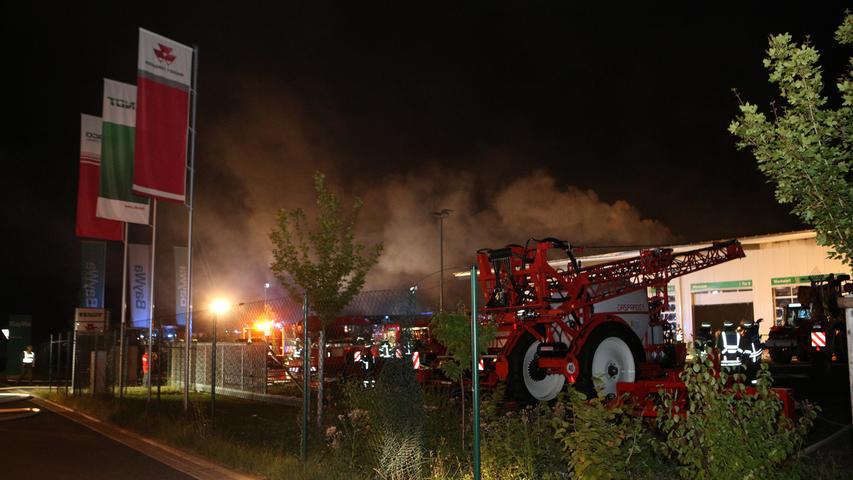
[306, 374]
[73, 347]
[68, 362]
[50, 365]
[475, 374]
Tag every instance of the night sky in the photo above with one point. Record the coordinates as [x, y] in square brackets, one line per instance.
[501, 112]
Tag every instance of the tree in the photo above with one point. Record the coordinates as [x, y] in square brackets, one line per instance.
[806, 149]
[322, 260]
[453, 330]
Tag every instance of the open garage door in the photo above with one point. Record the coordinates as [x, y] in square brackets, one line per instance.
[717, 314]
[716, 305]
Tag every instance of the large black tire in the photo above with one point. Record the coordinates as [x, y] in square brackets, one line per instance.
[517, 388]
[609, 337]
[781, 356]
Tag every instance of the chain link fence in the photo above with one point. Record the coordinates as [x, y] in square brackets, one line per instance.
[240, 367]
[254, 344]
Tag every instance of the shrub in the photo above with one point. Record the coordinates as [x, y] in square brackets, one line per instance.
[384, 428]
[720, 431]
[602, 440]
[519, 444]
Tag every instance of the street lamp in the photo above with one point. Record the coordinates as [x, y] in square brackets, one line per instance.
[441, 215]
[219, 306]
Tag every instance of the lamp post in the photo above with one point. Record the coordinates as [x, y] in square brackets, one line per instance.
[441, 215]
[266, 289]
[218, 307]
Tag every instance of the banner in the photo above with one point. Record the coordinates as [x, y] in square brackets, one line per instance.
[89, 225]
[164, 78]
[139, 280]
[93, 272]
[116, 200]
[181, 285]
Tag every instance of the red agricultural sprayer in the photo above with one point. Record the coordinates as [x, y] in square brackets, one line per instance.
[597, 327]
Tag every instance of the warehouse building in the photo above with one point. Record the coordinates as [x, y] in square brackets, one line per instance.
[754, 287]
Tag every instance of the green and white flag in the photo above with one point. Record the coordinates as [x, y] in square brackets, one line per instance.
[116, 201]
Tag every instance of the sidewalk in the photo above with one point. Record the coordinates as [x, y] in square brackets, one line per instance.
[188, 463]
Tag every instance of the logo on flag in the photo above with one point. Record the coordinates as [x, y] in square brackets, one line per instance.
[164, 69]
[164, 54]
[88, 223]
[818, 339]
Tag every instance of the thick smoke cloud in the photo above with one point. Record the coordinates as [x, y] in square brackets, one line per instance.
[530, 206]
[262, 158]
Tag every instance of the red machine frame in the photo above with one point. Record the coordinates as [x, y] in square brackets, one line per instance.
[523, 291]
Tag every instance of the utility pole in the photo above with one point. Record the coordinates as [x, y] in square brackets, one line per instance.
[441, 215]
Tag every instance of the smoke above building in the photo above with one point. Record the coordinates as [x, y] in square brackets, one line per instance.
[261, 158]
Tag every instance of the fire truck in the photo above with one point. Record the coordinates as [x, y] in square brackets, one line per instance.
[596, 326]
[356, 346]
[813, 329]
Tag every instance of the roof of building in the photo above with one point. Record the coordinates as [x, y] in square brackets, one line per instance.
[621, 255]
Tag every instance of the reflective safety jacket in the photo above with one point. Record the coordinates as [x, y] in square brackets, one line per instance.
[29, 357]
[753, 350]
[730, 351]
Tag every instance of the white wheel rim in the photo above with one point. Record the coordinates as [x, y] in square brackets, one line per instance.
[545, 389]
[612, 363]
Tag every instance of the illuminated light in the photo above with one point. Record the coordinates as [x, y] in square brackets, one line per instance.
[5, 332]
[220, 306]
[264, 326]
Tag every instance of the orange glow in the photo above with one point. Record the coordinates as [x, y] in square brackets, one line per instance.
[264, 326]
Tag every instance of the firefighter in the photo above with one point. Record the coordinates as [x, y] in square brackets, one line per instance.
[146, 366]
[385, 349]
[729, 345]
[704, 338]
[28, 362]
[752, 348]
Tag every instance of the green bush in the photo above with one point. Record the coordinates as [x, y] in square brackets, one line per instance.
[384, 429]
[602, 440]
[519, 444]
[721, 432]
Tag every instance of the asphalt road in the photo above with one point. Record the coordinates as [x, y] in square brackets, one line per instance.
[50, 446]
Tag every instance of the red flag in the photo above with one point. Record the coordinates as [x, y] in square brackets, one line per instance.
[89, 225]
[164, 73]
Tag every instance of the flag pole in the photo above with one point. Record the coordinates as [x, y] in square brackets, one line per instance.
[188, 317]
[121, 352]
[151, 297]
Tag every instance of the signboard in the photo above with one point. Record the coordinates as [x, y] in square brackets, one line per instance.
[670, 289]
[802, 279]
[730, 285]
[90, 320]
